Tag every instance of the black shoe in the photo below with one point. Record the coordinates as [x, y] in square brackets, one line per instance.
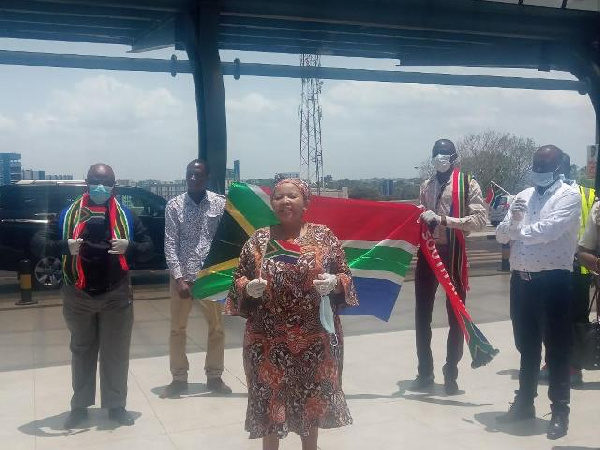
[174, 389]
[559, 425]
[121, 415]
[75, 417]
[217, 386]
[422, 383]
[451, 387]
[518, 411]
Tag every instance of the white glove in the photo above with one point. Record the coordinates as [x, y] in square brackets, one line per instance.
[325, 284]
[118, 246]
[256, 288]
[518, 208]
[74, 246]
[429, 216]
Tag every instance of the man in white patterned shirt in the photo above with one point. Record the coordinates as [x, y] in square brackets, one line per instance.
[191, 221]
[542, 226]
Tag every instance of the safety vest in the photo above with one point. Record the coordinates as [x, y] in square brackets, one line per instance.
[588, 195]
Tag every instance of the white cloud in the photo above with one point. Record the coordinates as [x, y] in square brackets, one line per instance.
[250, 103]
[7, 124]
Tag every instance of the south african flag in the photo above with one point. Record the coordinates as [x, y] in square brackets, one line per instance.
[379, 239]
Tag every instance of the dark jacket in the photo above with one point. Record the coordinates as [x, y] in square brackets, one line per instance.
[102, 270]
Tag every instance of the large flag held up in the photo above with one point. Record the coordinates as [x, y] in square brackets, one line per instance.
[379, 240]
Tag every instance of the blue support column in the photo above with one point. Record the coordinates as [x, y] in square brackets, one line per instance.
[200, 33]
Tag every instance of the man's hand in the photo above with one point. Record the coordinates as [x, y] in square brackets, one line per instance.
[518, 208]
[118, 246]
[430, 217]
[256, 288]
[74, 246]
[183, 288]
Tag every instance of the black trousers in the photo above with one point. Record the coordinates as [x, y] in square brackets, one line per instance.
[426, 285]
[99, 324]
[540, 309]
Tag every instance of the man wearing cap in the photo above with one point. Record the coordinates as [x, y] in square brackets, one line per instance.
[454, 206]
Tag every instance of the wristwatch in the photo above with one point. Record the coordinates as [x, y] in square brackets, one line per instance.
[444, 222]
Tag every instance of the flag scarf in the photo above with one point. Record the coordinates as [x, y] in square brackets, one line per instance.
[379, 240]
[456, 238]
[72, 224]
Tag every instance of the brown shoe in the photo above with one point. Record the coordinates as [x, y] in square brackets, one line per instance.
[174, 389]
[217, 386]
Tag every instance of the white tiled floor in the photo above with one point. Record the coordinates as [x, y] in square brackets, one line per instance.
[377, 369]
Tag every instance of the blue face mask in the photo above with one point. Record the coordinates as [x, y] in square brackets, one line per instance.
[99, 193]
[326, 315]
[543, 179]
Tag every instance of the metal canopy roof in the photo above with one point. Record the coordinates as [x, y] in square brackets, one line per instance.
[417, 32]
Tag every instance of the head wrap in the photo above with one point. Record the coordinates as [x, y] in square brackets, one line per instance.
[300, 184]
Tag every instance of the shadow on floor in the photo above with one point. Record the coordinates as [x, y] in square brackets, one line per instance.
[533, 427]
[573, 447]
[435, 395]
[587, 386]
[197, 390]
[53, 426]
[371, 396]
[513, 373]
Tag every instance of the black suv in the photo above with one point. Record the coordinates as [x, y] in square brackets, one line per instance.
[28, 206]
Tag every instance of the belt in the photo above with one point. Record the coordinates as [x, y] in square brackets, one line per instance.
[528, 276]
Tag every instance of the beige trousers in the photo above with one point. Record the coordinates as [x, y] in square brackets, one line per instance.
[215, 352]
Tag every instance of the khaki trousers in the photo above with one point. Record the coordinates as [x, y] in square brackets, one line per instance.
[215, 352]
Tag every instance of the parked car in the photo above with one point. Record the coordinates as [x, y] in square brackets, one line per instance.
[499, 208]
[28, 206]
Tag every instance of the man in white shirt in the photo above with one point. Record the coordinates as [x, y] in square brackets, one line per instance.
[191, 221]
[542, 226]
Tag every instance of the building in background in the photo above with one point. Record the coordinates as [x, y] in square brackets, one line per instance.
[126, 183]
[387, 188]
[284, 175]
[59, 177]
[165, 189]
[10, 168]
[30, 174]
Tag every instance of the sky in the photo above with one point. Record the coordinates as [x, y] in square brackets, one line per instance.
[144, 124]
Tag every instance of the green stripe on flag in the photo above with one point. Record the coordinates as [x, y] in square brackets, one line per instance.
[213, 283]
[379, 258]
[251, 206]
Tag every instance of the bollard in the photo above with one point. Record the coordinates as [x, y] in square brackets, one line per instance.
[25, 285]
[505, 266]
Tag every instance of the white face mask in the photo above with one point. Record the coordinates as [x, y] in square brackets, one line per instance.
[442, 163]
[326, 315]
[543, 179]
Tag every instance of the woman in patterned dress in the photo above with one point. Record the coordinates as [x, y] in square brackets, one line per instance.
[293, 364]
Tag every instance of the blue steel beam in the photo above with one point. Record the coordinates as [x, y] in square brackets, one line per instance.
[285, 71]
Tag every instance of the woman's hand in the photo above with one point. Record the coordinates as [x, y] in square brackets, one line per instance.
[256, 288]
[325, 284]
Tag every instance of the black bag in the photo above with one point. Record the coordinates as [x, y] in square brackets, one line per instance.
[587, 337]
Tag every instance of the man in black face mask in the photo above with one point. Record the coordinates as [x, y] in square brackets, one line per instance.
[541, 226]
[97, 239]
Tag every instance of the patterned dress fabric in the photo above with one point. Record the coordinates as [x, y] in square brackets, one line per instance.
[293, 366]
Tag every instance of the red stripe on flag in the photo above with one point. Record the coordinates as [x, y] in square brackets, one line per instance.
[366, 220]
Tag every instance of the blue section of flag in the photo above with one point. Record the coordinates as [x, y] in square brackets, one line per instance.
[377, 298]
